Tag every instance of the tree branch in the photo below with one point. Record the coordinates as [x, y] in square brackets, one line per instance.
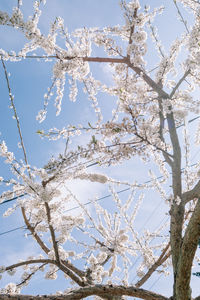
[29, 262]
[31, 229]
[181, 16]
[159, 262]
[192, 194]
[179, 83]
[71, 275]
[98, 290]
[161, 117]
[49, 261]
[66, 266]
[29, 276]
[73, 268]
[62, 266]
[177, 209]
[55, 246]
[15, 112]
[155, 86]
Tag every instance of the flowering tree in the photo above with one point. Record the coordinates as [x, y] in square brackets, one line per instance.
[94, 249]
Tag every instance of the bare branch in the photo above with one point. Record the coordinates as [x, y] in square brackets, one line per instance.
[187, 72]
[73, 268]
[15, 111]
[29, 262]
[181, 16]
[192, 194]
[29, 276]
[98, 290]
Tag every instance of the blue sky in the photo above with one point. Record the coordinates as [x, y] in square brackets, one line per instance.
[29, 81]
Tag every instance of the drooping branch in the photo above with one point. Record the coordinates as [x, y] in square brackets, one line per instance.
[62, 266]
[29, 262]
[98, 290]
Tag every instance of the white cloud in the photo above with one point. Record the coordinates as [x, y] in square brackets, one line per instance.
[108, 71]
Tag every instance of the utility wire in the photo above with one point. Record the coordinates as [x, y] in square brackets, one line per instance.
[90, 202]
[14, 198]
[11, 230]
[156, 281]
[131, 267]
[70, 209]
[95, 163]
[99, 199]
[168, 217]
[76, 207]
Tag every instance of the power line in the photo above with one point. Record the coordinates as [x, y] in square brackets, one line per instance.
[11, 230]
[156, 281]
[131, 267]
[99, 199]
[76, 207]
[12, 199]
[95, 163]
[190, 121]
[90, 202]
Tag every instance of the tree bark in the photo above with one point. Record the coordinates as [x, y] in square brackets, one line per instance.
[188, 249]
[103, 291]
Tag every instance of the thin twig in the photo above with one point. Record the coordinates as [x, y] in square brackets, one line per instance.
[181, 16]
[179, 83]
[15, 111]
[30, 262]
